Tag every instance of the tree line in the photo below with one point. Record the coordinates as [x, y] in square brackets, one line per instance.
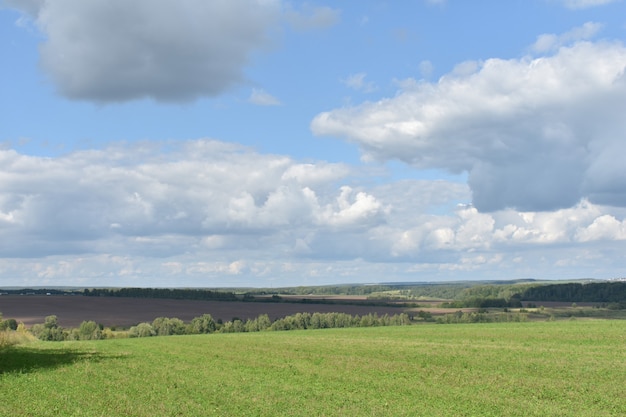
[210, 295]
[50, 330]
[470, 293]
[171, 293]
[481, 317]
[596, 292]
[478, 302]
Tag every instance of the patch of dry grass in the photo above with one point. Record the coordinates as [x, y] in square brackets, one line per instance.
[12, 338]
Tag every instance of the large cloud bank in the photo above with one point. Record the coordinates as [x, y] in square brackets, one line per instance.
[208, 213]
[205, 188]
[532, 133]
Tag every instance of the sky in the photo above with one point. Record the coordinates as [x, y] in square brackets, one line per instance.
[269, 143]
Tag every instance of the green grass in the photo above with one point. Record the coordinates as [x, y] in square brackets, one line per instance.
[575, 368]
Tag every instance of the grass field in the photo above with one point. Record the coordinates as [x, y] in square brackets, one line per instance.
[566, 368]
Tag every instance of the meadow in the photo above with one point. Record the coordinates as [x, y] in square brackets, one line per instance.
[561, 368]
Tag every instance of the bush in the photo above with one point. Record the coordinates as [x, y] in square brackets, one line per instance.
[141, 330]
[13, 337]
[164, 326]
[203, 324]
[9, 324]
[49, 330]
[90, 330]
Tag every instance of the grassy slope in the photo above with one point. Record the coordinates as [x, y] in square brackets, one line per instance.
[519, 369]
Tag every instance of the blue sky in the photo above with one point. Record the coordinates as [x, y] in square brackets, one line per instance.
[271, 143]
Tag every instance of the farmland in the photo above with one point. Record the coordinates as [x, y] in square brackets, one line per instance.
[126, 312]
[111, 311]
[558, 368]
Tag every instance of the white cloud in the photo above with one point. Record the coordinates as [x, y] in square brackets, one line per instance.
[352, 209]
[201, 190]
[174, 51]
[208, 213]
[533, 134]
[605, 227]
[549, 42]
[315, 174]
[585, 4]
[508, 230]
[357, 82]
[262, 98]
[113, 50]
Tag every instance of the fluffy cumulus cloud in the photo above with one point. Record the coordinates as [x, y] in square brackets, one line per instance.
[145, 201]
[536, 133]
[204, 188]
[208, 213]
[113, 50]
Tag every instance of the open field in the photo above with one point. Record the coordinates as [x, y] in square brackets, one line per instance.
[570, 368]
[126, 312]
[113, 311]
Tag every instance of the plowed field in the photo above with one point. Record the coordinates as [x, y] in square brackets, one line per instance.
[113, 311]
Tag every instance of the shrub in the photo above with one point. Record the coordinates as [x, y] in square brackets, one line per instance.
[49, 330]
[203, 324]
[9, 324]
[89, 330]
[141, 330]
[164, 326]
[13, 337]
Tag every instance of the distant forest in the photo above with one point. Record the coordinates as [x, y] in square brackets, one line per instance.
[479, 294]
[172, 293]
[601, 292]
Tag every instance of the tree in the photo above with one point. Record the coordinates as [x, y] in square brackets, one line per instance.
[141, 330]
[164, 326]
[49, 330]
[89, 330]
[8, 324]
[203, 324]
[264, 322]
[11, 324]
[51, 322]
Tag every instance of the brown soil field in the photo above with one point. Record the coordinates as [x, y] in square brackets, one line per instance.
[114, 311]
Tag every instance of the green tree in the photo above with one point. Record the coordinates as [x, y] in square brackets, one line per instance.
[49, 330]
[164, 326]
[264, 322]
[141, 330]
[317, 321]
[234, 326]
[203, 324]
[51, 322]
[89, 330]
[9, 324]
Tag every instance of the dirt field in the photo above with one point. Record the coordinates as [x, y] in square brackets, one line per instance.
[113, 311]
